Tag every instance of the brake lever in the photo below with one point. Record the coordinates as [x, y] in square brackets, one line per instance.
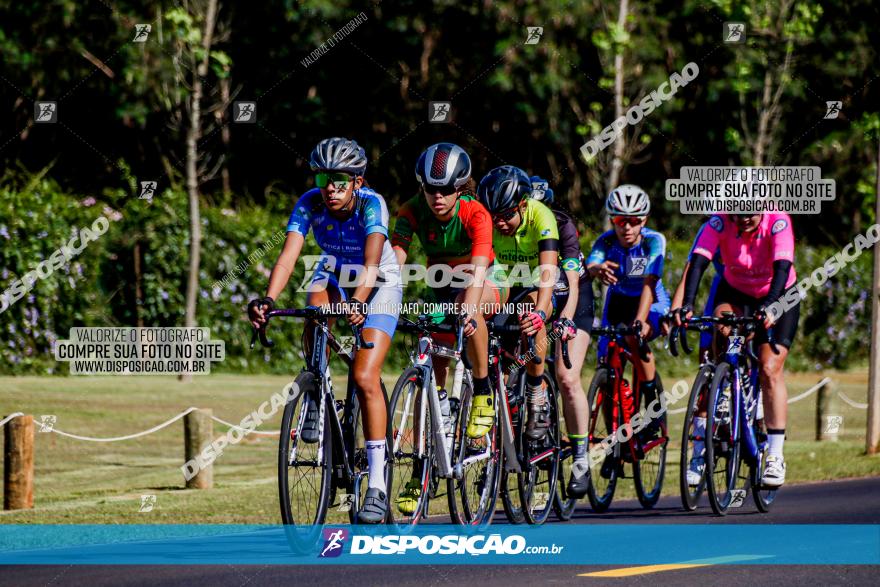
[670, 341]
[684, 340]
[565, 358]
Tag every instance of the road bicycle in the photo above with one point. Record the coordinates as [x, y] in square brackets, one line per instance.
[733, 431]
[424, 448]
[530, 468]
[613, 404]
[313, 466]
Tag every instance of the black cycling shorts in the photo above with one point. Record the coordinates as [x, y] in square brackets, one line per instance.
[783, 330]
[583, 314]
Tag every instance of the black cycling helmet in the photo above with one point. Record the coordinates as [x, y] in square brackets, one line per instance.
[503, 188]
[443, 167]
[339, 154]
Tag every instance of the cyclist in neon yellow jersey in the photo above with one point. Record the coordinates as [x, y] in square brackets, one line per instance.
[526, 239]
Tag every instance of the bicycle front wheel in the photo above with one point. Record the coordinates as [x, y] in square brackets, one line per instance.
[650, 469]
[473, 497]
[304, 462]
[722, 452]
[690, 495]
[603, 471]
[412, 464]
[538, 483]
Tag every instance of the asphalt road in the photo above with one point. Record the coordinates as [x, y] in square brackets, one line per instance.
[839, 502]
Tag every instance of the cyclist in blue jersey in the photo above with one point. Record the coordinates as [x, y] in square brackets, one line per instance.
[350, 224]
[629, 260]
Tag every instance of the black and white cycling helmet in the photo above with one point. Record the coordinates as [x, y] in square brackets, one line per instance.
[443, 167]
[339, 154]
[503, 188]
[628, 200]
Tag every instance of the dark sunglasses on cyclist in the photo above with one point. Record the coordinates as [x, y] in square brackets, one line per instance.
[505, 215]
[339, 180]
[627, 220]
[444, 191]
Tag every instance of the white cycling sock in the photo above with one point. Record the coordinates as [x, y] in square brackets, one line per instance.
[775, 440]
[376, 464]
[699, 430]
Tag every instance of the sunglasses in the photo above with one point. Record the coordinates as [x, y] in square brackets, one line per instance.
[505, 215]
[444, 191]
[627, 220]
[339, 180]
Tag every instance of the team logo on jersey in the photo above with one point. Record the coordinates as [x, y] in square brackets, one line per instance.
[779, 226]
[545, 232]
[716, 223]
[636, 266]
[432, 236]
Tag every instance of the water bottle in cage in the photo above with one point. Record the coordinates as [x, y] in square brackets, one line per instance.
[445, 410]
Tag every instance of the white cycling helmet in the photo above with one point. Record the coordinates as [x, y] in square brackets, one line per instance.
[628, 200]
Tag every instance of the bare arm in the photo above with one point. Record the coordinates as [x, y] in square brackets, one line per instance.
[573, 293]
[284, 265]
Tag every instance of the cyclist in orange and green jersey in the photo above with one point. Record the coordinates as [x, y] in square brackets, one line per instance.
[455, 230]
[526, 239]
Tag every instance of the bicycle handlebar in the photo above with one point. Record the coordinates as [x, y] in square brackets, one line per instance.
[621, 331]
[310, 313]
[704, 323]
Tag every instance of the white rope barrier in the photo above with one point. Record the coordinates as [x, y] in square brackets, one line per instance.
[810, 391]
[10, 417]
[130, 436]
[854, 404]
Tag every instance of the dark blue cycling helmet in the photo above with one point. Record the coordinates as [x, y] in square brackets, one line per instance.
[503, 188]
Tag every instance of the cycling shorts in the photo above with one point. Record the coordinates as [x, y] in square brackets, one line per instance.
[383, 303]
[583, 315]
[783, 330]
[621, 309]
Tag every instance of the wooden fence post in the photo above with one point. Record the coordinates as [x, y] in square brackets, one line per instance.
[198, 433]
[828, 420]
[18, 464]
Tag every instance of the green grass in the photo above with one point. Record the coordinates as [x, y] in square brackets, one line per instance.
[91, 482]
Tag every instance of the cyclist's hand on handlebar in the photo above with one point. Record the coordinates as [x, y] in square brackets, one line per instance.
[257, 309]
[767, 319]
[357, 312]
[567, 328]
[605, 272]
[665, 321]
[683, 313]
[531, 322]
[644, 328]
[470, 325]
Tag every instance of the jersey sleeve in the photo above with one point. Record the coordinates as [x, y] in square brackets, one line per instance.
[402, 236]
[599, 252]
[782, 239]
[656, 249]
[569, 246]
[301, 217]
[544, 222]
[478, 225]
[375, 216]
[708, 240]
[694, 244]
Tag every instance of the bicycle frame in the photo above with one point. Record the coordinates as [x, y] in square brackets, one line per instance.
[740, 413]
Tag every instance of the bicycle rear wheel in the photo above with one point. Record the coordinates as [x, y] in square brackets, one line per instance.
[763, 497]
[600, 401]
[473, 497]
[406, 405]
[538, 484]
[722, 453]
[650, 469]
[690, 496]
[304, 468]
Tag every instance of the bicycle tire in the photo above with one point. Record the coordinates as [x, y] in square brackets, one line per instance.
[690, 499]
[648, 499]
[303, 515]
[563, 504]
[719, 446]
[466, 507]
[403, 409]
[764, 497]
[600, 497]
[542, 475]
